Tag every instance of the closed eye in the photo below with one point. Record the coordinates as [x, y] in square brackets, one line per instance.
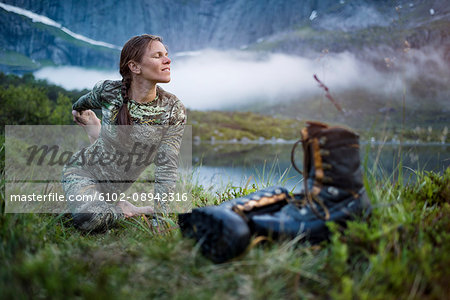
[160, 54]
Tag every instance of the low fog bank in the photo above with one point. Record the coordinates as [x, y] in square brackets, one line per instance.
[213, 79]
[75, 78]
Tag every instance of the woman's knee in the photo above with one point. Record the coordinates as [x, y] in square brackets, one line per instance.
[92, 222]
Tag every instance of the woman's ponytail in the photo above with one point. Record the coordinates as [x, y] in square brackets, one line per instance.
[123, 117]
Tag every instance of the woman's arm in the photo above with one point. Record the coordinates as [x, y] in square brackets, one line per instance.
[84, 116]
[167, 155]
[91, 100]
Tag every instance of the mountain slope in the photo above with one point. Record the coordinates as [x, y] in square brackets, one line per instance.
[27, 44]
[290, 26]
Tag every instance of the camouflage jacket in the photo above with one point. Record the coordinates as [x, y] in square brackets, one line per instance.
[159, 144]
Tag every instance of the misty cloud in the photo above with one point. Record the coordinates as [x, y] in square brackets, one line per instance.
[72, 78]
[213, 79]
[222, 79]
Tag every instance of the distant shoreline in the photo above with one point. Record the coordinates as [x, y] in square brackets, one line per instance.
[290, 142]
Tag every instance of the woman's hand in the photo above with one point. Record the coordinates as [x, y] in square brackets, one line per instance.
[89, 121]
[129, 210]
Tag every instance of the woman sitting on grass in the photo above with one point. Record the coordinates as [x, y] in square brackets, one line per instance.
[135, 100]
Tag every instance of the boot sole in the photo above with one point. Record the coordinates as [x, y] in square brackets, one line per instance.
[221, 233]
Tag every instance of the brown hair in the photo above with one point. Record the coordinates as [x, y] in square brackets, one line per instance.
[133, 50]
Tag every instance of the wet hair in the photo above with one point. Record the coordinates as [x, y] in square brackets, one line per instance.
[133, 50]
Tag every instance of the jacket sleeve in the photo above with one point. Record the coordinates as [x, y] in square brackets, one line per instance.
[168, 152]
[91, 100]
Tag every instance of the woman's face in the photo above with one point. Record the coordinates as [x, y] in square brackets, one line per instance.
[155, 64]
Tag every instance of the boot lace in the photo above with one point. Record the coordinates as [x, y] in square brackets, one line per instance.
[309, 198]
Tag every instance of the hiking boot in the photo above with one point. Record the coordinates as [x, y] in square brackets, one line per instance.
[222, 231]
[332, 187]
[332, 192]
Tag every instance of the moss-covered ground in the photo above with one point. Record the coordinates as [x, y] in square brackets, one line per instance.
[402, 252]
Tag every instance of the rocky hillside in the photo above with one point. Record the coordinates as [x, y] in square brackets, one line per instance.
[186, 25]
[289, 26]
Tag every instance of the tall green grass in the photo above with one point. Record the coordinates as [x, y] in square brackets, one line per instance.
[402, 252]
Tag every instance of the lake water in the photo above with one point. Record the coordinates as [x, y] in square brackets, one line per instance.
[221, 164]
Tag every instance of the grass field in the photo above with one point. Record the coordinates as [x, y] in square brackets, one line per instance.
[403, 252]
[235, 125]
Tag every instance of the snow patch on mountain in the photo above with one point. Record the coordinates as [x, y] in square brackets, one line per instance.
[47, 21]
